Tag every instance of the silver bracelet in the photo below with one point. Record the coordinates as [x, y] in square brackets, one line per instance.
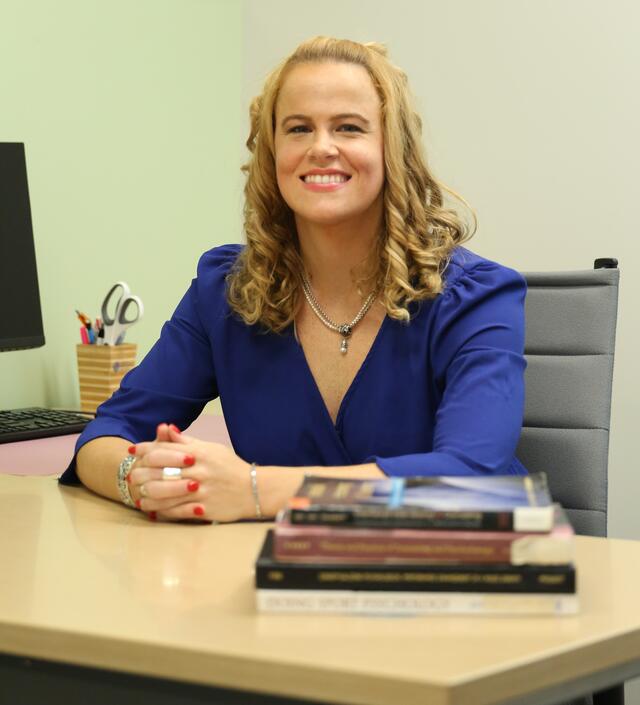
[254, 490]
[123, 485]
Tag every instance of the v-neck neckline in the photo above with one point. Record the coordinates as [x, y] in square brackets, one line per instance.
[354, 382]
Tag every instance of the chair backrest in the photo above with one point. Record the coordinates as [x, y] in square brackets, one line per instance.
[570, 341]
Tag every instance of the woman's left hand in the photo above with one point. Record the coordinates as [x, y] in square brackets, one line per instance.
[215, 484]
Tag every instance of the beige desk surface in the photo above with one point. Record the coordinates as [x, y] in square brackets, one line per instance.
[89, 582]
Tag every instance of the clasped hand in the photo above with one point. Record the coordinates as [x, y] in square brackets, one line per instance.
[215, 484]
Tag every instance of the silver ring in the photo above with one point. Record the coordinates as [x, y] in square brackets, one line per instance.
[143, 490]
[171, 473]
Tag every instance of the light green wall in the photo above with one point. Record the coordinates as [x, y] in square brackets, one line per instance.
[131, 116]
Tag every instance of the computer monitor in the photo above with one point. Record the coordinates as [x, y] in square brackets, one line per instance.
[20, 314]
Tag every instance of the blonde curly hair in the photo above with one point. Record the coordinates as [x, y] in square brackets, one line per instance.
[418, 232]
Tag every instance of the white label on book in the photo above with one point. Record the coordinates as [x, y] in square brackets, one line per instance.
[532, 518]
[542, 550]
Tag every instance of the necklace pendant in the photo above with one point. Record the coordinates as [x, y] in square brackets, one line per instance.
[344, 346]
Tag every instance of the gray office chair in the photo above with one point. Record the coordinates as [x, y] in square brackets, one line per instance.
[569, 346]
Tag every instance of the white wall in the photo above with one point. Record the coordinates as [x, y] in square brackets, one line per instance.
[531, 112]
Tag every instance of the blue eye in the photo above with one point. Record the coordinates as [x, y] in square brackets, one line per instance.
[298, 129]
[348, 127]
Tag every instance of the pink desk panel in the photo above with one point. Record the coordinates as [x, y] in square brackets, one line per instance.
[50, 456]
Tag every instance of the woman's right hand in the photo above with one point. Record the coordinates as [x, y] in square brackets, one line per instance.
[214, 485]
[155, 452]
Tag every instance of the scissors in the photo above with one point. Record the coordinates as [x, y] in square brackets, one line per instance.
[115, 326]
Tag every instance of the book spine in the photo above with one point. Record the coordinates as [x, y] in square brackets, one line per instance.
[441, 578]
[453, 547]
[420, 603]
[525, 519]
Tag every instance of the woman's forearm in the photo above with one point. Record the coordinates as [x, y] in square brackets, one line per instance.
[98, 462]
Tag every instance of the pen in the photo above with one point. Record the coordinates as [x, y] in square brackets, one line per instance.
[86, 321]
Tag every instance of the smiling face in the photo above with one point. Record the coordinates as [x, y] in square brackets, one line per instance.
[329, 145]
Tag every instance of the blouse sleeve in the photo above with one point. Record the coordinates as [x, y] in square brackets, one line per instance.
[476, 352]
[176, 378]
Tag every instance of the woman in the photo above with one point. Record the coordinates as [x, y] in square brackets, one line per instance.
[351, 337]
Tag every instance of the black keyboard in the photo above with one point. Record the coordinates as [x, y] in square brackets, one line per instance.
[26, 424]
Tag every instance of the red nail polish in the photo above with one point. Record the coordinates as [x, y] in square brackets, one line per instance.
[153, 516]
[198, 510]
[173, 427]
[189, 460]
[193, 486]
[132, 450]
[129, 478]
[138, 503]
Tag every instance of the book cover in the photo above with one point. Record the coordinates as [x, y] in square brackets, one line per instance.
[358, 602]
[497, 503]
[309, 543]
[411, 577]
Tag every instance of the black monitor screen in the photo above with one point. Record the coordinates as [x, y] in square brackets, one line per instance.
[20, 316]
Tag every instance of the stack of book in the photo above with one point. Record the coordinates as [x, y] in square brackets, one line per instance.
[424, 545]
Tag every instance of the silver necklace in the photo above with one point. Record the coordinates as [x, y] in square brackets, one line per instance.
[346, 329]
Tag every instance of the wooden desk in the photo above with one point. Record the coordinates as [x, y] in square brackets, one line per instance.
[89, 582]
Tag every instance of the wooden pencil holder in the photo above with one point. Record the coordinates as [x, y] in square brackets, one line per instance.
[100, 370]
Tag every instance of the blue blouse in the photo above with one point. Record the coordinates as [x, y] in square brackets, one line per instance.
[441, 395]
